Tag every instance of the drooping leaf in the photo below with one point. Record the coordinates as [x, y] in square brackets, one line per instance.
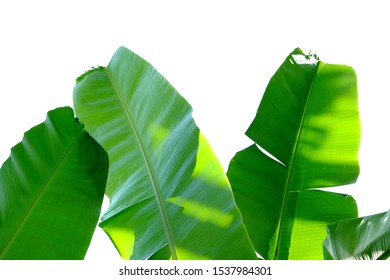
[365, 238]
[309, 124]
[51, 191]
[169, 196]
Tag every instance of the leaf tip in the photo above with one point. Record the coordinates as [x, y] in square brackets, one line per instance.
[86, 73]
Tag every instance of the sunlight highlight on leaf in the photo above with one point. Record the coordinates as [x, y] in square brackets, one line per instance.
[203, 212]
[207, 165]
[126, 236]
[158, 135]
[188, 255]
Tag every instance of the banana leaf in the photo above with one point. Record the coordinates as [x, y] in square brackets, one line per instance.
[306, 133]
[169, 196]
[51, 191]
[365, 238]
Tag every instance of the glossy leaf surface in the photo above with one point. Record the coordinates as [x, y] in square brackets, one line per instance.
[308, 121]
[51, 191]
[366, 238]
[169, 196]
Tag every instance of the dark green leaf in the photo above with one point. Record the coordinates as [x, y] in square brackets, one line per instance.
[51, 190]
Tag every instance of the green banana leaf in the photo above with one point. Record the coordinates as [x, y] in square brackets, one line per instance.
[51, 191]
[307, 133]
[169, 196]
[365, 238]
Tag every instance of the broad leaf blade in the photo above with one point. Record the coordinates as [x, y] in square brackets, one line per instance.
[308, 120]
[169, 196]
[51, 190]
[365, 238]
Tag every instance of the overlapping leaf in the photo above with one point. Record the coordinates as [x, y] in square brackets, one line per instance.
[365, 238]
[51, 190]
[169, 197]
[308, 120]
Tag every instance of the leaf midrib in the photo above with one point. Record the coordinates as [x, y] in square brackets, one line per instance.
[291, 164]
[38, 196]
[153, 180]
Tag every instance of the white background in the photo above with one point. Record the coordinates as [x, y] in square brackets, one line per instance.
[219, 55]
